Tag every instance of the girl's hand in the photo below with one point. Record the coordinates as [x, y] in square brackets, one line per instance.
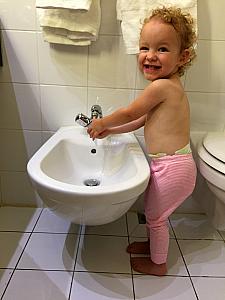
[95, 128]
[104, 134]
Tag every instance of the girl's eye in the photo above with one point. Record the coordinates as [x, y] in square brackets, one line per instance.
[143, 49]
[163, 49]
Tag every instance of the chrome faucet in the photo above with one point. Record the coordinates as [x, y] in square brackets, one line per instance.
[96, 112]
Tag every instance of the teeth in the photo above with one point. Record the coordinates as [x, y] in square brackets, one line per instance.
[152, 67]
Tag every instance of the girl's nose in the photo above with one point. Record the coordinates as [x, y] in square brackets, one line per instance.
[151, 55]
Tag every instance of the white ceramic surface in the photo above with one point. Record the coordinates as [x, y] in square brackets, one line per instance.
[213, 170]
[214, 143]
[60, 167]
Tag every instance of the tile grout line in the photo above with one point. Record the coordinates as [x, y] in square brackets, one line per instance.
[128, 239]
[221, 235]
[14, 269]
[75, 261]
[189, 275]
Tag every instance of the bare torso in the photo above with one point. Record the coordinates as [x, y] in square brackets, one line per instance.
[167, 126]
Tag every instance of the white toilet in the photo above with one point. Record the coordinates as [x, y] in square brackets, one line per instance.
[211, 165]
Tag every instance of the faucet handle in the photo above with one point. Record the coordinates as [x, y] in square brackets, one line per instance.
[96, 111]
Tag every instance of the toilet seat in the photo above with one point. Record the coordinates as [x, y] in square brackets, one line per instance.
[212, 151]
[214, 143]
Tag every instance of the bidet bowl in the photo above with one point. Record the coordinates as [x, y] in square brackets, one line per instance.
[89, 182]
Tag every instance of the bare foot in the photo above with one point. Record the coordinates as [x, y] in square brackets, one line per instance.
[139, 248]
[146, 266]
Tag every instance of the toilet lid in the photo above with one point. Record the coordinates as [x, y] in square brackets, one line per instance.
[214, 143]
[210, 160]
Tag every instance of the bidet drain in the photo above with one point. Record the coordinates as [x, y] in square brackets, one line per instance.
[91, 182]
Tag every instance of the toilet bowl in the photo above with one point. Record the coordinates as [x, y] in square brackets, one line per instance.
[211, 165]
[89, 182]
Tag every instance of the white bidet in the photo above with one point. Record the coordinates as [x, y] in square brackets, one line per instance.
[89, 182]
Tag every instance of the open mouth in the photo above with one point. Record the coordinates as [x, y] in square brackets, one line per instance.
[151, 67]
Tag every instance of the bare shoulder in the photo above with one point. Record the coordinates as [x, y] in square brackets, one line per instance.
[162, 89]
[157, 88]
[167, 84]
[168, 88]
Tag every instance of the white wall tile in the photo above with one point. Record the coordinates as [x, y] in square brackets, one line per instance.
[62, 64]
[46, 135]
[33, 141]
[20, 62]
[38, 26]
[9, 114]
[19, 15]
[207, 72]
[16, 148]
[211, 21]
[207, 111]
[141, 82]
[109, 66]
[0, 191]
[109, 22]
[16, 101]
[109, 99]
[13, 156]
[17, 189]
[60, 104]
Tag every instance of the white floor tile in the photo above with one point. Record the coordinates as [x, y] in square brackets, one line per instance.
[90, 286]
[134, 228]
[4, 278]
[163, 288]
[193, 226]
[103, 249]
[39, 285]
[209, 288]
[223, 234]
[50, 252]
[204, 257]
[139, 230]
[12, 245]
[18, 218]
[175, 262]
[117, 227]
[103, 254]
[49, 222]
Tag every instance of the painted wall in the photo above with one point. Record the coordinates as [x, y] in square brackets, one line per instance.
[43, 87]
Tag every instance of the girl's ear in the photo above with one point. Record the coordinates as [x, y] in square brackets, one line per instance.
[184, 57]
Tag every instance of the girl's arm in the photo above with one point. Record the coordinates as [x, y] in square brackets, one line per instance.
[148, 99]
[131, 126]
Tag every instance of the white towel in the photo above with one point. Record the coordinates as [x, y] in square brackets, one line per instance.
[132, 13]
[64, 36]
[83, 5]
[56, 37]
[68, 26]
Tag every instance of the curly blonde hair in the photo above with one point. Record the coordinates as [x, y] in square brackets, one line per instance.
[183, 24]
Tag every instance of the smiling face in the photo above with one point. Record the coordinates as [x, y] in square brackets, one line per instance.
[159, 55]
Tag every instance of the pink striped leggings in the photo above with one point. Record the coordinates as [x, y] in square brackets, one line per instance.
[172, 181]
